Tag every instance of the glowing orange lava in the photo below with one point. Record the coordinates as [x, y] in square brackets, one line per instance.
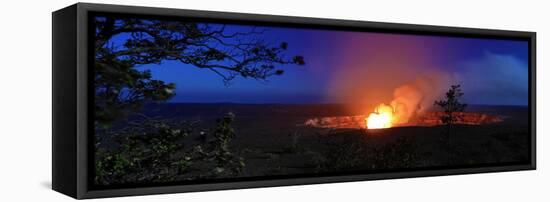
[382, 117]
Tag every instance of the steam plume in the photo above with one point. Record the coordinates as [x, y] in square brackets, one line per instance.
[416, 97]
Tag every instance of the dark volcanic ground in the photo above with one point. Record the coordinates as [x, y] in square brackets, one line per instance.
[273, 140]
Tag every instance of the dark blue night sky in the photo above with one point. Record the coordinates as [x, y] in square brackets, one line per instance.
[358, 66]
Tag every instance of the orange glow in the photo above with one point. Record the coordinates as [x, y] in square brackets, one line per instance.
[382, 117]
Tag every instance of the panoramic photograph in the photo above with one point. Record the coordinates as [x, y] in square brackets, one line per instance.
[182, 101]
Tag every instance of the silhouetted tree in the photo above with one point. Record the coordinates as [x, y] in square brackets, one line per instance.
[120, 88]
[451, 105]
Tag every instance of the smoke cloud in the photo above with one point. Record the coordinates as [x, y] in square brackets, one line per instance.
[416, 97]
[410, 75]
[398, 71]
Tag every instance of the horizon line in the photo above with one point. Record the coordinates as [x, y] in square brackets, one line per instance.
[311, 103]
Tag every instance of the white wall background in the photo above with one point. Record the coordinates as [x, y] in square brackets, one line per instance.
[25, 99]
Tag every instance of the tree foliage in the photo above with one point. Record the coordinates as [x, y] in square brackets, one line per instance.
[451, 105]
[120, 88]
[153, 150]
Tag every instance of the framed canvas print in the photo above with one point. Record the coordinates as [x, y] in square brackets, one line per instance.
[153, 100]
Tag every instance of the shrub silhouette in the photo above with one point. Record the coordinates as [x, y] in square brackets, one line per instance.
[155, 151]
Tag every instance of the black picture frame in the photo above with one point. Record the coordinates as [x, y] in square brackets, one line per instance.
[72, 73]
